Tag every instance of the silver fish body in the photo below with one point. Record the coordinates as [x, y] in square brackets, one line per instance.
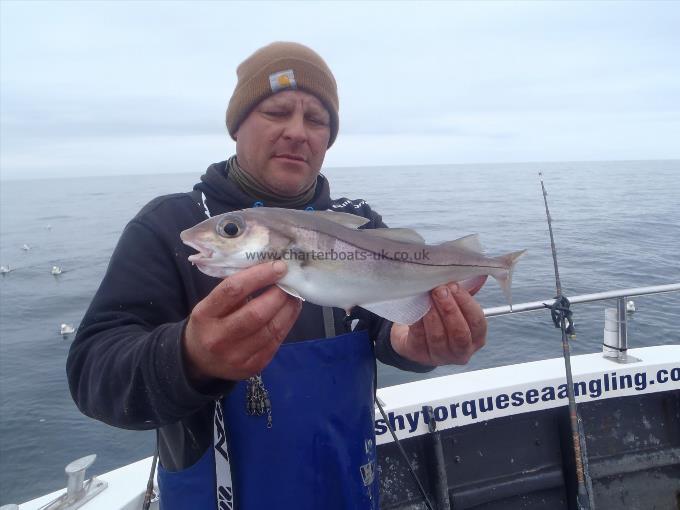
[332, 263]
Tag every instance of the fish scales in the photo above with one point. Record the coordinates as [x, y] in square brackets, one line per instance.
[438, 255]
[332, 263]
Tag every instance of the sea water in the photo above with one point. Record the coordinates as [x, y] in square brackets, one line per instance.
[617, 225]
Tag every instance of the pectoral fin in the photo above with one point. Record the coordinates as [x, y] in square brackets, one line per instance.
[290, 291]
[404, 311]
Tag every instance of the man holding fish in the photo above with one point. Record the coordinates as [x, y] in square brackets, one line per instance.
[253, 359]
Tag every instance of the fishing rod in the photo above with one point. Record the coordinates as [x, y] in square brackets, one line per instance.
[562, 318]
[428, 503]
[149, 494]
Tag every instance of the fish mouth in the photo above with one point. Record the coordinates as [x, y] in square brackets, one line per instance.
[204, 254]
[205, 261]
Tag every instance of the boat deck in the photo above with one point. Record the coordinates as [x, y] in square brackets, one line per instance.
[506, 441]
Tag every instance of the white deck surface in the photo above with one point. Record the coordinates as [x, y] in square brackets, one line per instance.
[125, 491]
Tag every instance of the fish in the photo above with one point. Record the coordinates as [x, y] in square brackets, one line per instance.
[332, 262]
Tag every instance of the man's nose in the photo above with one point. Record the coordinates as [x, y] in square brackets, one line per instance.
[295, 128]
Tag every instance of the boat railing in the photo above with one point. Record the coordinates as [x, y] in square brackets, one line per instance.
[615, 342]
[583, 298]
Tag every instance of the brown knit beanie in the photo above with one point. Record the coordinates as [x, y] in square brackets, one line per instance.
[282, 66]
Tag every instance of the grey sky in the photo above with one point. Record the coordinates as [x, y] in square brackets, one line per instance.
[95, 88]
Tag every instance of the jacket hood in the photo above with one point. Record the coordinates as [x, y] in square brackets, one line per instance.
[225, 195]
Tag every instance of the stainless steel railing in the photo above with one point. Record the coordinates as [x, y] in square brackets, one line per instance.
[615, 341]
[583, 298]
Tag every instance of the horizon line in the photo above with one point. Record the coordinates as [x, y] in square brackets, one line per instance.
[4, 178]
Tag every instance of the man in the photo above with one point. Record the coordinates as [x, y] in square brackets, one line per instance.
[259, 399]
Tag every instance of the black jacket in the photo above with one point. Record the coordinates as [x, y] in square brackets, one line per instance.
[125, 365]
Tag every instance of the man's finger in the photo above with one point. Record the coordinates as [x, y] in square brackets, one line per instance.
[455, 324]
[281, 324]
[269, 338]
[255, 314]
[436, 337]
[474, 316]
[236, 288]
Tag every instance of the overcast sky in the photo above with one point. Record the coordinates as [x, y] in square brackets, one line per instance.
[97, 88]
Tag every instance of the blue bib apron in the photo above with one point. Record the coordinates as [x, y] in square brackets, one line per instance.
[318, 454]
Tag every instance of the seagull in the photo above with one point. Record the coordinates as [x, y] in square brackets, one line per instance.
[66, 329]
[4, 270]
[56, 270]
[25, 247]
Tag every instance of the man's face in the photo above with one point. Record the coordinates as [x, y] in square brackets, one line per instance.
[283, 141]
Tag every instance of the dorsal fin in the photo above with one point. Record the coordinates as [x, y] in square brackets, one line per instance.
[470, 242]
[397, 234]
[346, 219]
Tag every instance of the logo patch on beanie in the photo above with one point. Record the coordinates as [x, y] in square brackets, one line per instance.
[282, 80]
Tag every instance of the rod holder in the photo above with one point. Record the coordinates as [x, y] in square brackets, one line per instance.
[615, 341]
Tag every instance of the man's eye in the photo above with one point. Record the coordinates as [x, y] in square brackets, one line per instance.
[318, 120]
[275, 113]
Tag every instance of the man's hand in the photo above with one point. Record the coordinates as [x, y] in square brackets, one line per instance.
[231, 337]
[450, 333]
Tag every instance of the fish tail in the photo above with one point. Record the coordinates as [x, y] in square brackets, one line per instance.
[504, 276]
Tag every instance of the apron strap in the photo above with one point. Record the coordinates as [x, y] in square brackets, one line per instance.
[328, 321]
[224, 487]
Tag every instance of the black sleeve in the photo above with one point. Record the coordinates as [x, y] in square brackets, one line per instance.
[380, 329]
[125, 365]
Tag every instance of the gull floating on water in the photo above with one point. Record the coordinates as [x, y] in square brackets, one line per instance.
[25, 247]
[4, 270]
[66, 329]
[56, 270]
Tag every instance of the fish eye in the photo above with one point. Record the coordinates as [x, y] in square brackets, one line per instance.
[230, 226]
